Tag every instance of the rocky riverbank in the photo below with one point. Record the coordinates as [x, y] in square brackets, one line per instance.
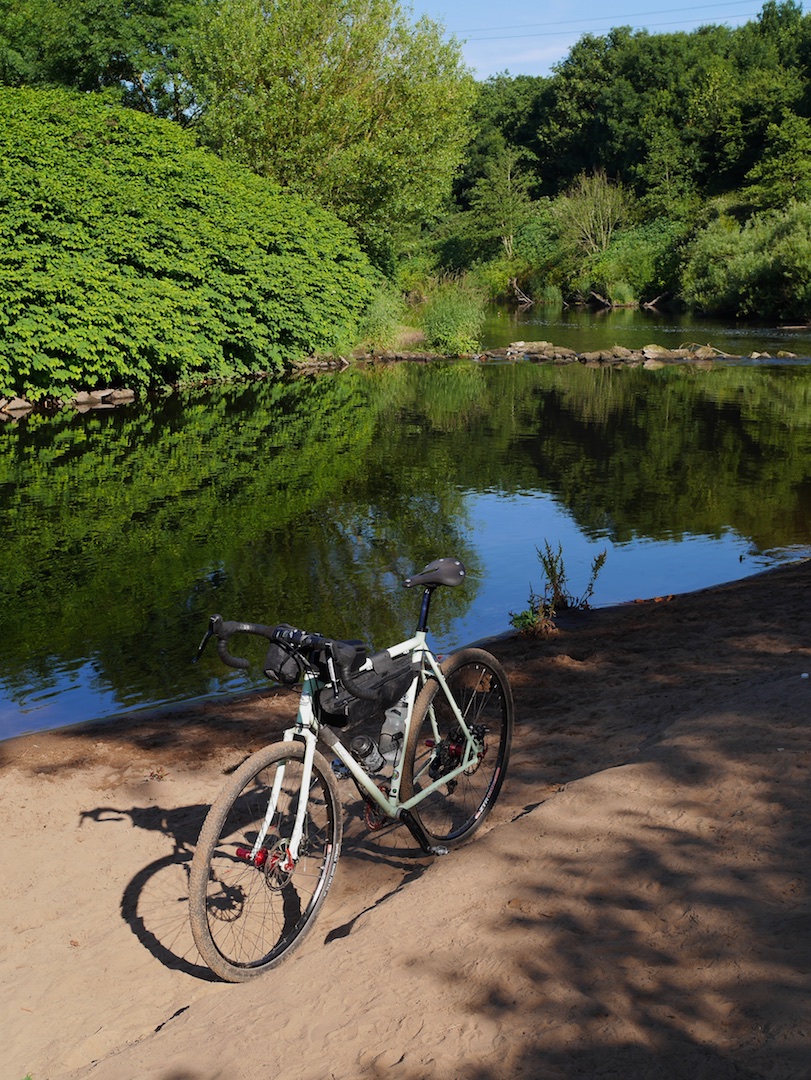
[650, 356]
[17, 407]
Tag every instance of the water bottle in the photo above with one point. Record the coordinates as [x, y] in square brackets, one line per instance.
[391, 734]
[365, 750]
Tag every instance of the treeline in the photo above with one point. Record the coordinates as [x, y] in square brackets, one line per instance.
[194, 190]
[649, 167]
[191, 188]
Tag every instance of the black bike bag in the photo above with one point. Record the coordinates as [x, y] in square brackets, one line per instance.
[388, 678]
[281, 665]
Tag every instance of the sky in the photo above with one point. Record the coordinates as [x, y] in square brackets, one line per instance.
[526, 37]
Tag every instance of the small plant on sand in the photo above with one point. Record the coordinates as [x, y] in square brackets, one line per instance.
[539, 617]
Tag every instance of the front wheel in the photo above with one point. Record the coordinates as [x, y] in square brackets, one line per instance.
[249, 914]
[436, 745]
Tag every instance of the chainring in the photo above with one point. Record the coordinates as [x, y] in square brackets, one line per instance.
[373, 816]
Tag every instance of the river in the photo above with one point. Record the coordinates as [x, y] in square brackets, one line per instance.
[308, 500]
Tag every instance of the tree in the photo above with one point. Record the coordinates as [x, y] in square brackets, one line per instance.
[500, 201]
[342, 100]
[129, 256]
[505, 112]
[591, 211]
[783, 174]
[131, 45]
[667, 172]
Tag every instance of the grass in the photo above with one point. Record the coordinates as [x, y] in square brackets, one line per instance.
[452, 316]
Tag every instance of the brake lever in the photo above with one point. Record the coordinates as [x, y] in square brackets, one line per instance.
[213, 622]
[333, 678]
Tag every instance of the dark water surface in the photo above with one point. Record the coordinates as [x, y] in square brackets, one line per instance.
[585, 329]
[307, 501]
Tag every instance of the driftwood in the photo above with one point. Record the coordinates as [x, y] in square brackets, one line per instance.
[652, 305]
[520, 295]
[601, 299]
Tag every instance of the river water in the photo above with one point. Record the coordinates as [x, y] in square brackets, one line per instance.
[585, 329]
[307, 501]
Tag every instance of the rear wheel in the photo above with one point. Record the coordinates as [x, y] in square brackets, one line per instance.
[248, 915]
[436, 745]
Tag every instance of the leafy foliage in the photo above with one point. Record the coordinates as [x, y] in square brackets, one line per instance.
[499, 200]
[643, 256]
[592, 210]
[763, 267]
[783, 174]
[94, 44]
[631, 141]
[128, 256]
[343, 100]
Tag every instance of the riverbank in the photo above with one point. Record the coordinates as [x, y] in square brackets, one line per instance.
[637, 904]
[650, 356]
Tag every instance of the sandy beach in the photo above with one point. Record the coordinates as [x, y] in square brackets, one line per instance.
[636, 906]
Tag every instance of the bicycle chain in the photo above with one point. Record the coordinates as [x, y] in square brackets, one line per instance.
[373, 816]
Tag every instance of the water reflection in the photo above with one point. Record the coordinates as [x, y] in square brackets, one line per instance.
[308, 501]
[585, 329]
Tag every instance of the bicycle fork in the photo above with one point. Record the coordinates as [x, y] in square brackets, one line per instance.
[258, 854]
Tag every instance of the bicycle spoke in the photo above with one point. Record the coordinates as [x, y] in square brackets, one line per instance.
[247, 914]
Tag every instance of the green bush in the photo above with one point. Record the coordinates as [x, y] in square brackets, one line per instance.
[494, 279]
[762, 268]
[539, 617]
[638, 264]
[452, 316]
[128, 256]
[550, 295]
[384, 319]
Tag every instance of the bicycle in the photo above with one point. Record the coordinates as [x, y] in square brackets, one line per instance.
[269, 846]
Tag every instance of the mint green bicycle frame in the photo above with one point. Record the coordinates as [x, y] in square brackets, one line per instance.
[308, 729]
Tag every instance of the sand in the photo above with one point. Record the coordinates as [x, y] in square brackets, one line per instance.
[636, 906]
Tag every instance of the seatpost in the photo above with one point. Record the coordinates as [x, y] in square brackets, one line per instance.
[422, 625]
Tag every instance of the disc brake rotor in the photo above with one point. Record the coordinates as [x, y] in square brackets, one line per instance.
[449, 753]
[277, 874]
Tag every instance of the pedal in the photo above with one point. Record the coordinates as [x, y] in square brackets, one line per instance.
[419, 834]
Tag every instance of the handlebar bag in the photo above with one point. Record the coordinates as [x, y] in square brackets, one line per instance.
[281, 665]
[389, 678]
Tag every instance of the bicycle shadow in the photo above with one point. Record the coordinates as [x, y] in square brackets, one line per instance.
[154, 903]
[388, 858]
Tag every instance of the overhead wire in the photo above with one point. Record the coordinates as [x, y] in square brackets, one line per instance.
[609, 21]
[575, 22]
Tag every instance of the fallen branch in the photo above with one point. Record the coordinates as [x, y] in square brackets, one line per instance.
[601, 299]
[653, 304]
[521, 296]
